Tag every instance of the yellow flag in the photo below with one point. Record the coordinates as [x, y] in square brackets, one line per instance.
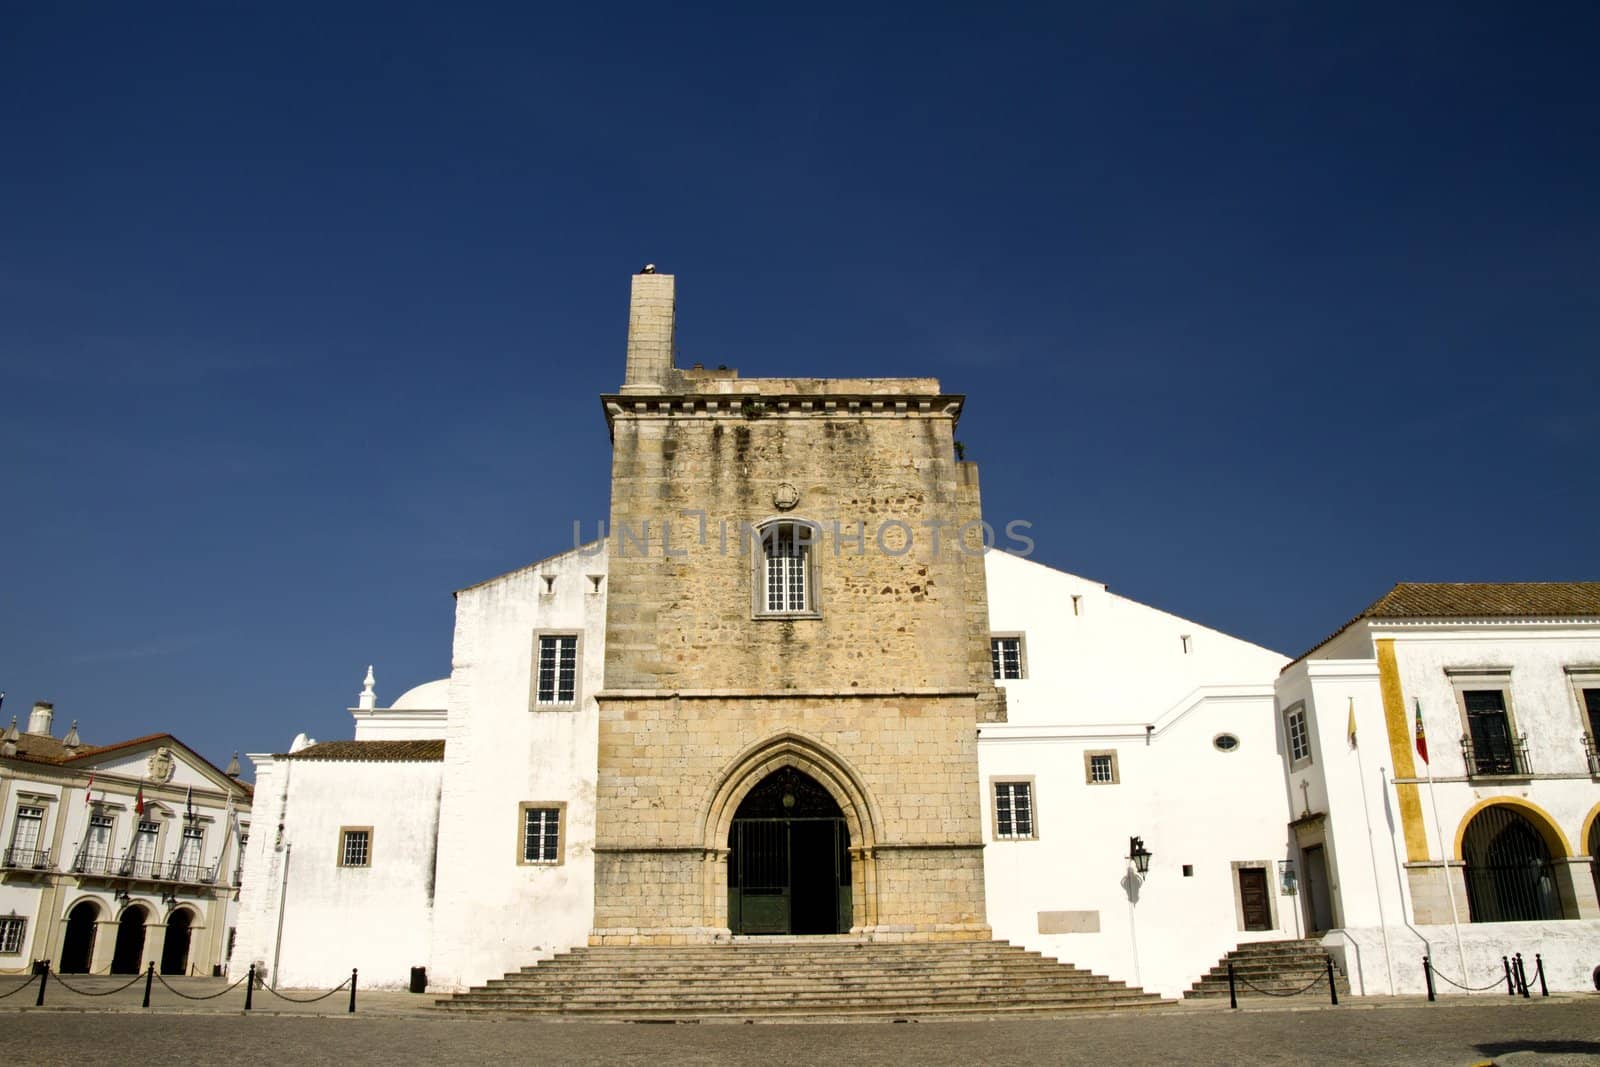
[1352, 721]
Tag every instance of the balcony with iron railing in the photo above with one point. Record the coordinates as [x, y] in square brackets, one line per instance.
[25, 859]
[145, 869]
[1503, 759]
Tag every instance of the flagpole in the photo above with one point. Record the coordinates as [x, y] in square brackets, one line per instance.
[1449, 886]
[1372, 855]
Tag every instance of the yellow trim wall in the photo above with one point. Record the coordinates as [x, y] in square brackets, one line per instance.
[1394, 718]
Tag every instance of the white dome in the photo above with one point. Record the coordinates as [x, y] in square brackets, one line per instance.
[429, 696]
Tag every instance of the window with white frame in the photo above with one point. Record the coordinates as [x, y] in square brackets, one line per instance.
[1100, 768]
[12, 927]
[557, 671]
[1013, 810]
[1005, 656]
[145, 841]
[190, 848]
[785, 577]
[97, 845]
[1294, 726]
[541, 833]
[26, 834]
[355, 846]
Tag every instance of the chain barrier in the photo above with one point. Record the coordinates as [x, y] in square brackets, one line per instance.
[1270, 993]
[208, 996]
[307, 1000]
[19, 988]
[1500, 980]
[85, 993]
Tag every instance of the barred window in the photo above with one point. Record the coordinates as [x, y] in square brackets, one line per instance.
[1102, 768]
[1299, 737]
[558, 669]
[541, 835]
[12, 927]
[1005, 655]
[355, 846]
[1013, 810]
[786, 554]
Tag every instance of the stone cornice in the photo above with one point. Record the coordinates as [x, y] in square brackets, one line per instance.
[781, 694]
[757, 406]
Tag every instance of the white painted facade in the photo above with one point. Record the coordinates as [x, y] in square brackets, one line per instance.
[52, 867]
[1389, 906]
[1106, 675]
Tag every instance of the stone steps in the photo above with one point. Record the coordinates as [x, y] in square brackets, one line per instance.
[820, 978]
[1281, 968]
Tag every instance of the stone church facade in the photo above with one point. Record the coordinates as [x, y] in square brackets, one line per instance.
[788, 692]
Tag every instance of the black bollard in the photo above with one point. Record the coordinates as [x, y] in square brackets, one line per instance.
[149, 976]
[1511, 985]
[249, 986]
[352, 990]
[1538, 961]
[1522, 977]
[1427, 975]
[1333, 989]
[1233, 994]
[44, 978]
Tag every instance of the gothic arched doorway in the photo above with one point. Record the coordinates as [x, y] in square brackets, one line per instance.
[789, 859]
[175, 948]
[77, 946]
[1510, 877]
[129, 955]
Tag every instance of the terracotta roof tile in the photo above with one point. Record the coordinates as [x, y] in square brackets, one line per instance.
[1455, 600]
[375, 751]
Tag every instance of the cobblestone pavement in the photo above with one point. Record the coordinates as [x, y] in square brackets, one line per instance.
[394, 1028]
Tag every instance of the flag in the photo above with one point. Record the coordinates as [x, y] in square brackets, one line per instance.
[138, 801]
[1352, 722]
[1422, 737]
[88, 790]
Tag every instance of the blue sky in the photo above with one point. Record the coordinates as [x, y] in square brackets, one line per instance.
[1259, 308]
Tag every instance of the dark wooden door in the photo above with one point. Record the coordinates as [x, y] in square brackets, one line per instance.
[1253, 895]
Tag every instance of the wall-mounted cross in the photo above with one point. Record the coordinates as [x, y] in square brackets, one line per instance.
[1305, 791]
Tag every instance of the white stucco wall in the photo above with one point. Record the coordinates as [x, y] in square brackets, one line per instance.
[1094, 681]
[493, 914]
[375, 918]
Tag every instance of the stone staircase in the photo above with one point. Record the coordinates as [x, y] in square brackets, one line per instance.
[798, 978]
[1280, 967]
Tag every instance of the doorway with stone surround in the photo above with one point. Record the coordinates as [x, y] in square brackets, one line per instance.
[789, 859]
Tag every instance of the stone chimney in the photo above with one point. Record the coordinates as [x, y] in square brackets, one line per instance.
[652, 326]
[39, 718]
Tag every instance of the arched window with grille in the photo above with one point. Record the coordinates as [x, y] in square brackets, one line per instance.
[1509, 872]
[786, 574]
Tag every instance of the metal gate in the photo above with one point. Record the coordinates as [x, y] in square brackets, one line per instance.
[789, 876]
[1509, 874]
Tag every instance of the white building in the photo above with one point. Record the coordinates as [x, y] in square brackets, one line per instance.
[457, 830]
[1485, 850]
[116, 856]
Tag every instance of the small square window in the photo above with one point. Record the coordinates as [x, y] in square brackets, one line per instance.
[1188, 870]
[355, 846]
[1013, 811]
[1294, 724]
[1005, 657]
[12, 927]
[541, 827]
[556, 671]
[1100, 768]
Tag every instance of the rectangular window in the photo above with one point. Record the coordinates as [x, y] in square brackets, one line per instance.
[1491, 749]
[1100, 768]
[786, 550]
[558, 669]
[541, 834]
[26, 834]
[1013, 810]
[12, 927]
[142, 862]
[1591, 706]
[1005, 656]
[190, 848]
[1299, 737]
[97, 846]
[355, 846]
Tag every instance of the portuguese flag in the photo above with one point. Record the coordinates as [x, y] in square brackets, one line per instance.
[1422, 737]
